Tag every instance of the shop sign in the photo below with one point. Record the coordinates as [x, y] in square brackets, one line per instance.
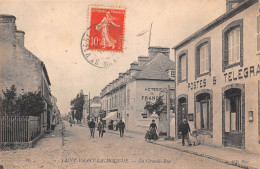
[197, 84]
[242, 73]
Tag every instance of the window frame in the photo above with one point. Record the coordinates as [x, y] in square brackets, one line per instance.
[181, 54]
[201, 43]
[231, 26]
[204, 131]
[258, 34]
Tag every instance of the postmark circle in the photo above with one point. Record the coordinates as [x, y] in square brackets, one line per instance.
[98, 58]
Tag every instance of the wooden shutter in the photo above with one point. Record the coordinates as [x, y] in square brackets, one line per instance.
[227, 115]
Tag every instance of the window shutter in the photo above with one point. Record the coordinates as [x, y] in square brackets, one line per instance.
[198, 116]
[227, 115]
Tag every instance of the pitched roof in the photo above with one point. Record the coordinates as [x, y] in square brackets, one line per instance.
[156, 69]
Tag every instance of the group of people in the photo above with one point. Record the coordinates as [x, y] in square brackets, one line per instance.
[101, 128]
[184, 130]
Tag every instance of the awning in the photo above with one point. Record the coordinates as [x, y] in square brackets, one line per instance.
[111, 116]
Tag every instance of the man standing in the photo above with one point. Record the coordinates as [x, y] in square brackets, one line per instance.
[100, 128]
[92, 126]
[121, 126]
[184, 129]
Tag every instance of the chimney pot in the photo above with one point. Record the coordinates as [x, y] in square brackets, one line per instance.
[19, 35]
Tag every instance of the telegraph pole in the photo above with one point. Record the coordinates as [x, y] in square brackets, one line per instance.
[168, 112]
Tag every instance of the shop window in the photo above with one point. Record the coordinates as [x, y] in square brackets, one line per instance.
[203, 58]
[233, 45]
[183, 66]
[203, 111]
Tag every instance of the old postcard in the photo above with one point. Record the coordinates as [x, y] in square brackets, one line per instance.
[129, 84]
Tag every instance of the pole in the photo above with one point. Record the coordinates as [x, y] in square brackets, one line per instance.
[150, 35]
[168, 111]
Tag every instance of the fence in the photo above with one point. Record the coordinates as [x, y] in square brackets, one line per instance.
[21, 129]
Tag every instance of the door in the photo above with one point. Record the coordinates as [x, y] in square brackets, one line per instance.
[233, 120]
[182, 112]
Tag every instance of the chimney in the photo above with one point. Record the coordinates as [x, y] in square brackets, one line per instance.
[153, 51]
[19, 35]
[134, 66]
[142, 60]
[230, 4]
[7, 28]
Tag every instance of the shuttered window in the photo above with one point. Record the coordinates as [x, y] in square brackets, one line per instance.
[204, 58]
[232, 53]
[183, 67]
[258, 33]
[234, 46]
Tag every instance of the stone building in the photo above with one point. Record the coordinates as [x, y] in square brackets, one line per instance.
[20, 67]
[146, 80]
[217, 85]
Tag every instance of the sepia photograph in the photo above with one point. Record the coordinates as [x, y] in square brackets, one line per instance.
[129, 84]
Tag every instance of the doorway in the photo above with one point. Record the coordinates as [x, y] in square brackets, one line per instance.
[182, 111]
[234, 120]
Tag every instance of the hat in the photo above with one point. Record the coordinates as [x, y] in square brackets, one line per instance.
[153, 120]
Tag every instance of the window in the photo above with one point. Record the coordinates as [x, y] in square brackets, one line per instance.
[233, 45]
[128, 96]
[258, 34]
[172, 73]
[183, 66]
[203, 58]
[204, 111]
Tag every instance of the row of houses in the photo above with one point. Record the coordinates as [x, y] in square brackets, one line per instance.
[20, 67]
[217, 86]
[126, 97]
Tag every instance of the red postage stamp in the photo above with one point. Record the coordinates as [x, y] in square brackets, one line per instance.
[106, 31]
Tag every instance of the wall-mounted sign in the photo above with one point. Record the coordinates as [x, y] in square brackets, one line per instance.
[242, 73]
[197, 84]
[190, 117]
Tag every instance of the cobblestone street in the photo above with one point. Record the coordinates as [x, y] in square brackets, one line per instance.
[111, 151]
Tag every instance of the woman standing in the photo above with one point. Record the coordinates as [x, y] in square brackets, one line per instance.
[100, 128]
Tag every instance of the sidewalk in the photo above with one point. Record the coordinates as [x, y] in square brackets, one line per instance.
[228, 156]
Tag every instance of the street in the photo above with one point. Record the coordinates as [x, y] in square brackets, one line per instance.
[111, 151]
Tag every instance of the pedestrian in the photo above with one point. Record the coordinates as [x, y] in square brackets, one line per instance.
[92, 126]
[184, 129]
[70, 120]
[100, 128]
[153, 128]
[121, 126]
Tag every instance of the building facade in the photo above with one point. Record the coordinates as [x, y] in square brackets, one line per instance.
[19, 67]
[125, 98]
[217, 85]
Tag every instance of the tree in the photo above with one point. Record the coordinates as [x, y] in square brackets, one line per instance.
[77, 105]
[27, 104]
[9, 100]
[30, 104]
[159, 106]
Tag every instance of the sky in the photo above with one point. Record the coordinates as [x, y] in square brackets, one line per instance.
[53, 32]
